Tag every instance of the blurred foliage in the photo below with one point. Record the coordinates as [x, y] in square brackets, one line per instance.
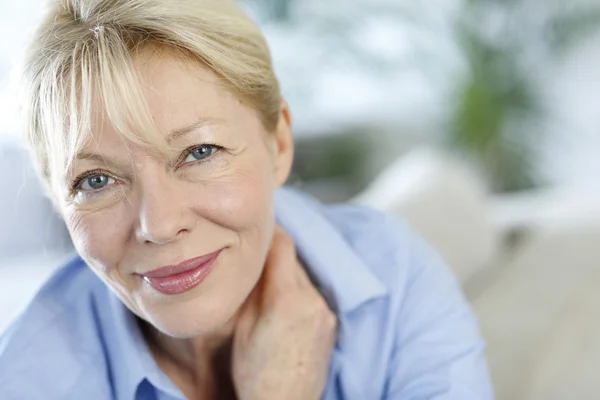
[566, 30]
[274, 10]
[498, 113]
[498, 106]
[496, 91]
[332, 31]
[330, 157]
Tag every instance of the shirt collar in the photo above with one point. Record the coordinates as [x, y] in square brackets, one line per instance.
[343, 278]
[130, 357]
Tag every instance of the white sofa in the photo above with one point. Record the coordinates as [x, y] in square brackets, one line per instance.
[28, 225]
[529, 264]
[539, 306]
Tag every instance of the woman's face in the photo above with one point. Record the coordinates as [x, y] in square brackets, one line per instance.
[134, 212]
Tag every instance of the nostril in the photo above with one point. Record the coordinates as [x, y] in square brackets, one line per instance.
[164, 239]
[182, 232]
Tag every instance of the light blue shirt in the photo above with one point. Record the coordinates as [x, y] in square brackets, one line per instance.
[405, 330]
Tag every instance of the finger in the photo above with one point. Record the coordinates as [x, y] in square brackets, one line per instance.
[284, 251]
[250, 310]
[282, 256]
[296, 266]
[281, 266]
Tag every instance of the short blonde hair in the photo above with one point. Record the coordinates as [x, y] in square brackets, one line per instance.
[84, 49]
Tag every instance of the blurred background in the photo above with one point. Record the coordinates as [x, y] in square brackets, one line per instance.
[476, 120]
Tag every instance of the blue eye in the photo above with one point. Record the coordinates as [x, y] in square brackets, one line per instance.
[200, 153]
[95, 182]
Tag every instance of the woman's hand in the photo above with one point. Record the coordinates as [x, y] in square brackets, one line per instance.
[285, 334]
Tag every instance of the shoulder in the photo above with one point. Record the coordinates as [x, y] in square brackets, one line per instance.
[428, 340]
[370, 232]
[385, 243]
[411, 270]
[48, 349]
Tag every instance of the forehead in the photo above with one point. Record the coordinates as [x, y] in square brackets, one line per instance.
[177, 92]
[175, 88]
[171, 83]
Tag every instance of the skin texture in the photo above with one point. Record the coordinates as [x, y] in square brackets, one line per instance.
[226, 337]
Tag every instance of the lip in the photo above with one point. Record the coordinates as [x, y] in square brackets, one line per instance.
[182, 277]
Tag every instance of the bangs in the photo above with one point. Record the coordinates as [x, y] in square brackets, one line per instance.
[98, 86]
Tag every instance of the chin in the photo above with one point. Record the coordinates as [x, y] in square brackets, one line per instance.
[192, 319]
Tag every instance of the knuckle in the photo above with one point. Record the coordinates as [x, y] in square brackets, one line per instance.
[286, 243]
[321, 308]
[330, 321]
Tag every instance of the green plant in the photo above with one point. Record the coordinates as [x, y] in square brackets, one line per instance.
[498, 111]
[497, 115]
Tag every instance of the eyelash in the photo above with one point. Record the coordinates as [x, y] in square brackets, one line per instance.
[190, 149]
[77, 181]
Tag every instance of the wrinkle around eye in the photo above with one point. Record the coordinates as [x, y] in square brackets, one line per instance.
[219, 169]
[99, 199]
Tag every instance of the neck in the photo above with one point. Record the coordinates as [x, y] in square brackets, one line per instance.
[201, 363]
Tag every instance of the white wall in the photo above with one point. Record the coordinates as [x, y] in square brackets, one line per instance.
[572, 151]
[17, 19]
[28, 224]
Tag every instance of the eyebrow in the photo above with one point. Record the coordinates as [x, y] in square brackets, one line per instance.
[180, 132]
[174, 135]
[100, 159]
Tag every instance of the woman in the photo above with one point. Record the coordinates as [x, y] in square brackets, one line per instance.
[161, 135]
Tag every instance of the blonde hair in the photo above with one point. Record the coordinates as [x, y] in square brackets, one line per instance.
[83, 49]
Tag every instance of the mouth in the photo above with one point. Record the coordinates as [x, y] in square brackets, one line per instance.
[182, 277]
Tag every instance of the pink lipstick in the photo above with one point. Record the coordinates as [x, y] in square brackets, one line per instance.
[182, 277]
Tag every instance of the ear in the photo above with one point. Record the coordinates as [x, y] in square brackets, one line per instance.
[284, 145]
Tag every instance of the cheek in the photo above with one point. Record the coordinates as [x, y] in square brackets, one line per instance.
[243, 200]
[99, 237]
[238, 197]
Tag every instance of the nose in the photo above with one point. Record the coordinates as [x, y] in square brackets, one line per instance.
[163, 213]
